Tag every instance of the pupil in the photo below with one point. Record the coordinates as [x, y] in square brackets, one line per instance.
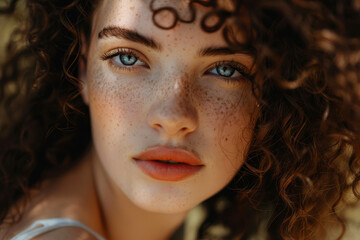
[225, 71]
[128, 59]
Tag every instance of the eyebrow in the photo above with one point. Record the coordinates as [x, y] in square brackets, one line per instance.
[131, 35]
[218, 51]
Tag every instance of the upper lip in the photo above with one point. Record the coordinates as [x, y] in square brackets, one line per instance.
[175, 154]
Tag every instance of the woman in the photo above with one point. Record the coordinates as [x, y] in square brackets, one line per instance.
[121, 116]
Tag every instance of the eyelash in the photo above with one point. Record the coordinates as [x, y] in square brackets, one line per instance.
[244, 71]
[108, 56]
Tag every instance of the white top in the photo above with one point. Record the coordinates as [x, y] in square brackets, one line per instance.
[45, 225]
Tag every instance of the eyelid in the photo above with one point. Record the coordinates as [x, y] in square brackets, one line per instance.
[117, 51]
[110, 55]
[241, 68]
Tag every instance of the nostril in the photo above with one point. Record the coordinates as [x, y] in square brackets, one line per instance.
[157, 125]
[183, 129]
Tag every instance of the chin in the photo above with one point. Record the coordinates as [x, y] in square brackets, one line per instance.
[165, 209]
[170, 201]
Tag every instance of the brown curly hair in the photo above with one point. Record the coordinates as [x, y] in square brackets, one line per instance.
[304, 158]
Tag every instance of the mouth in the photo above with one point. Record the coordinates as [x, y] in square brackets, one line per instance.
[168, 164]
[169, 161]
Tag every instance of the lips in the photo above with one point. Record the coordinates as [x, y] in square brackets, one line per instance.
[168, 164]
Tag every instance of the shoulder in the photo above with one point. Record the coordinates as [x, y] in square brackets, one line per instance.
[52, 200]
[66, 233]
[56, 228]
[74, 233]
[61, 233]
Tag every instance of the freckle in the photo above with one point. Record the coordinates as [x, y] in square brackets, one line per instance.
[132, 8]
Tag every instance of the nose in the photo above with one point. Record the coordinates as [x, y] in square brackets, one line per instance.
[174, 115]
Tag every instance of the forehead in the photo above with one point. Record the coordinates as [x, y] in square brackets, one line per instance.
[137, 15]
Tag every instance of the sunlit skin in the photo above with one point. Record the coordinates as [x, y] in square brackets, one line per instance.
[169, 94]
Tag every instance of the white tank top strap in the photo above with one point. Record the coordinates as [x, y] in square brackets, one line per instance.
[45, 225]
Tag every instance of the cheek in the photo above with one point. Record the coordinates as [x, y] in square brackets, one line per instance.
[228, 119]
[114, 106]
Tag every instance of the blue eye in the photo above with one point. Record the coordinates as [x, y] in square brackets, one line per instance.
[124, 59]
[127, 59]
[225, 71]
[230, 70]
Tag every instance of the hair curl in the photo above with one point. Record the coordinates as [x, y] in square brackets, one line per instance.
[304, 157]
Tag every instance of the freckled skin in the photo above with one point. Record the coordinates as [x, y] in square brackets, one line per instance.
[132, 111]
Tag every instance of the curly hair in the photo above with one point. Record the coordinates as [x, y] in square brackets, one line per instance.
[304, 157]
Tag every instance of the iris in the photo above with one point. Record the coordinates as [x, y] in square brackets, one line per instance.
[128, 60]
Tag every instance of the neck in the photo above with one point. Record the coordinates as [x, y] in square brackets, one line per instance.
[124, 220]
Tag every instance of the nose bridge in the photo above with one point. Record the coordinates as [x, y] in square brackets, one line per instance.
[173, 112]
[180, 91]
[177, 103]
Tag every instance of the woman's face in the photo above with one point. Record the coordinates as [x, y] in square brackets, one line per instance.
[149, 88]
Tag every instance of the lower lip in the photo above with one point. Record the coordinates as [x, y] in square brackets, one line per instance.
[167, 171]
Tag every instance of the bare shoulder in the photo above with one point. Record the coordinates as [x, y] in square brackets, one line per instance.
[66, 233]
[69, 197]
[74, 233]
